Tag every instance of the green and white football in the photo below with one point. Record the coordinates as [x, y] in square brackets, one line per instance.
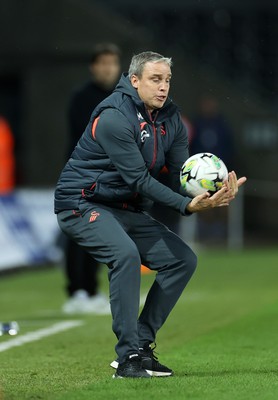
[203, 172]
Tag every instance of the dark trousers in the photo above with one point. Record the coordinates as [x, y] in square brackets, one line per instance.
[81, 269]
[123, 240]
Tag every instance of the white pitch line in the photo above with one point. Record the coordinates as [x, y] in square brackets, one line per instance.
[39, 334]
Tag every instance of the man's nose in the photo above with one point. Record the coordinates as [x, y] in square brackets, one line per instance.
[163, 86]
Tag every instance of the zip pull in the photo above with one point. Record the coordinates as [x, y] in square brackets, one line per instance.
[152, 119]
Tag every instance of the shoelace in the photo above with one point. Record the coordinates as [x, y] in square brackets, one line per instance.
[151, 353]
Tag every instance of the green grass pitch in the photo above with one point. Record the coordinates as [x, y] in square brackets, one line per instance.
[221, 338]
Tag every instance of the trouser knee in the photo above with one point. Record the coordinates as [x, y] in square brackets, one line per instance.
[127, 261]
[130, 256]
[189, 264]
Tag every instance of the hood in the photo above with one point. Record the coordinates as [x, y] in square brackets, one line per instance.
[124, 86]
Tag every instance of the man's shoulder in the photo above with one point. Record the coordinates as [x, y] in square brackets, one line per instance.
[111, 121]
[115, 116]
[119, 104]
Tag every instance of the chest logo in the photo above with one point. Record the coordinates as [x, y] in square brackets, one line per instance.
[94, 216]
[144, 133]
[139, 116]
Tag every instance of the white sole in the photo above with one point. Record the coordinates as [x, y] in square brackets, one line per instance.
[159, 374]
[114, 364]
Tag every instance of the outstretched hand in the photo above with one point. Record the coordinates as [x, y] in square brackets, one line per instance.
[221, 198]
[233, 183]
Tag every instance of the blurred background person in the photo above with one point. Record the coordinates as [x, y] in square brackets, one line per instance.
[80, 269]
[212, 133]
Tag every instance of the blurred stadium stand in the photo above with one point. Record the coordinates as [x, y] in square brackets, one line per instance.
[224, 47]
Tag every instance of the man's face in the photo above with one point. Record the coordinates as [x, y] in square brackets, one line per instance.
[106, 70]
[154, 84]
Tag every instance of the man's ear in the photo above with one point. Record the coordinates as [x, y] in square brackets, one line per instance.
[134, 81]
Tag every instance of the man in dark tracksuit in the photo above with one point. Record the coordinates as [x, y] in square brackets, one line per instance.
[103, 194]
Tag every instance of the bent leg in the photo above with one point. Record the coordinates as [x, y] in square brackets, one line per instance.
[106, 241]
[175, 263]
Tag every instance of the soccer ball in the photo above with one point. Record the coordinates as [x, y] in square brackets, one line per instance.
[203, 172]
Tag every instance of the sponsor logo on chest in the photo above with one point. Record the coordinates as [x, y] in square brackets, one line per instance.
[144, 132]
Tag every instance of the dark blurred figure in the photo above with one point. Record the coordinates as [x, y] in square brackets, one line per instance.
[81, 270]
[213, 134]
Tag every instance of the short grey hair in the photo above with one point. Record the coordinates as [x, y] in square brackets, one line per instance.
[138, 62]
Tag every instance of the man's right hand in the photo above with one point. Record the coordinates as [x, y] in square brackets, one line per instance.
[221, 198]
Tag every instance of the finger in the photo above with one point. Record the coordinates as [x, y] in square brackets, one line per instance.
[233, 182]
[224, 205]
[219, 194]
[202, 196]
[226, 183]
[241, 181]
[219, 199]
[205, 195]
[231, 177]
[226, 200]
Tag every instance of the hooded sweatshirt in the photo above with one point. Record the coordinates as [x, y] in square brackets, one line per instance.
[121, 153]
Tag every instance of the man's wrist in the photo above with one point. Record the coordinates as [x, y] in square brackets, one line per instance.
[189, 209]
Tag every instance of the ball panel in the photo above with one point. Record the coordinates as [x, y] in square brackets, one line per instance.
[207, 184]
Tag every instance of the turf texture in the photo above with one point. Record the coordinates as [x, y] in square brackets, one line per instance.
[221, 338]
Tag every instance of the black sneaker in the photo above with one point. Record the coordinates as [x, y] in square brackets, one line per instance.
[131, 368]
[151, 364]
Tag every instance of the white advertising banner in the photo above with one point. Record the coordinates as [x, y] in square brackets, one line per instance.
[28, 229]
